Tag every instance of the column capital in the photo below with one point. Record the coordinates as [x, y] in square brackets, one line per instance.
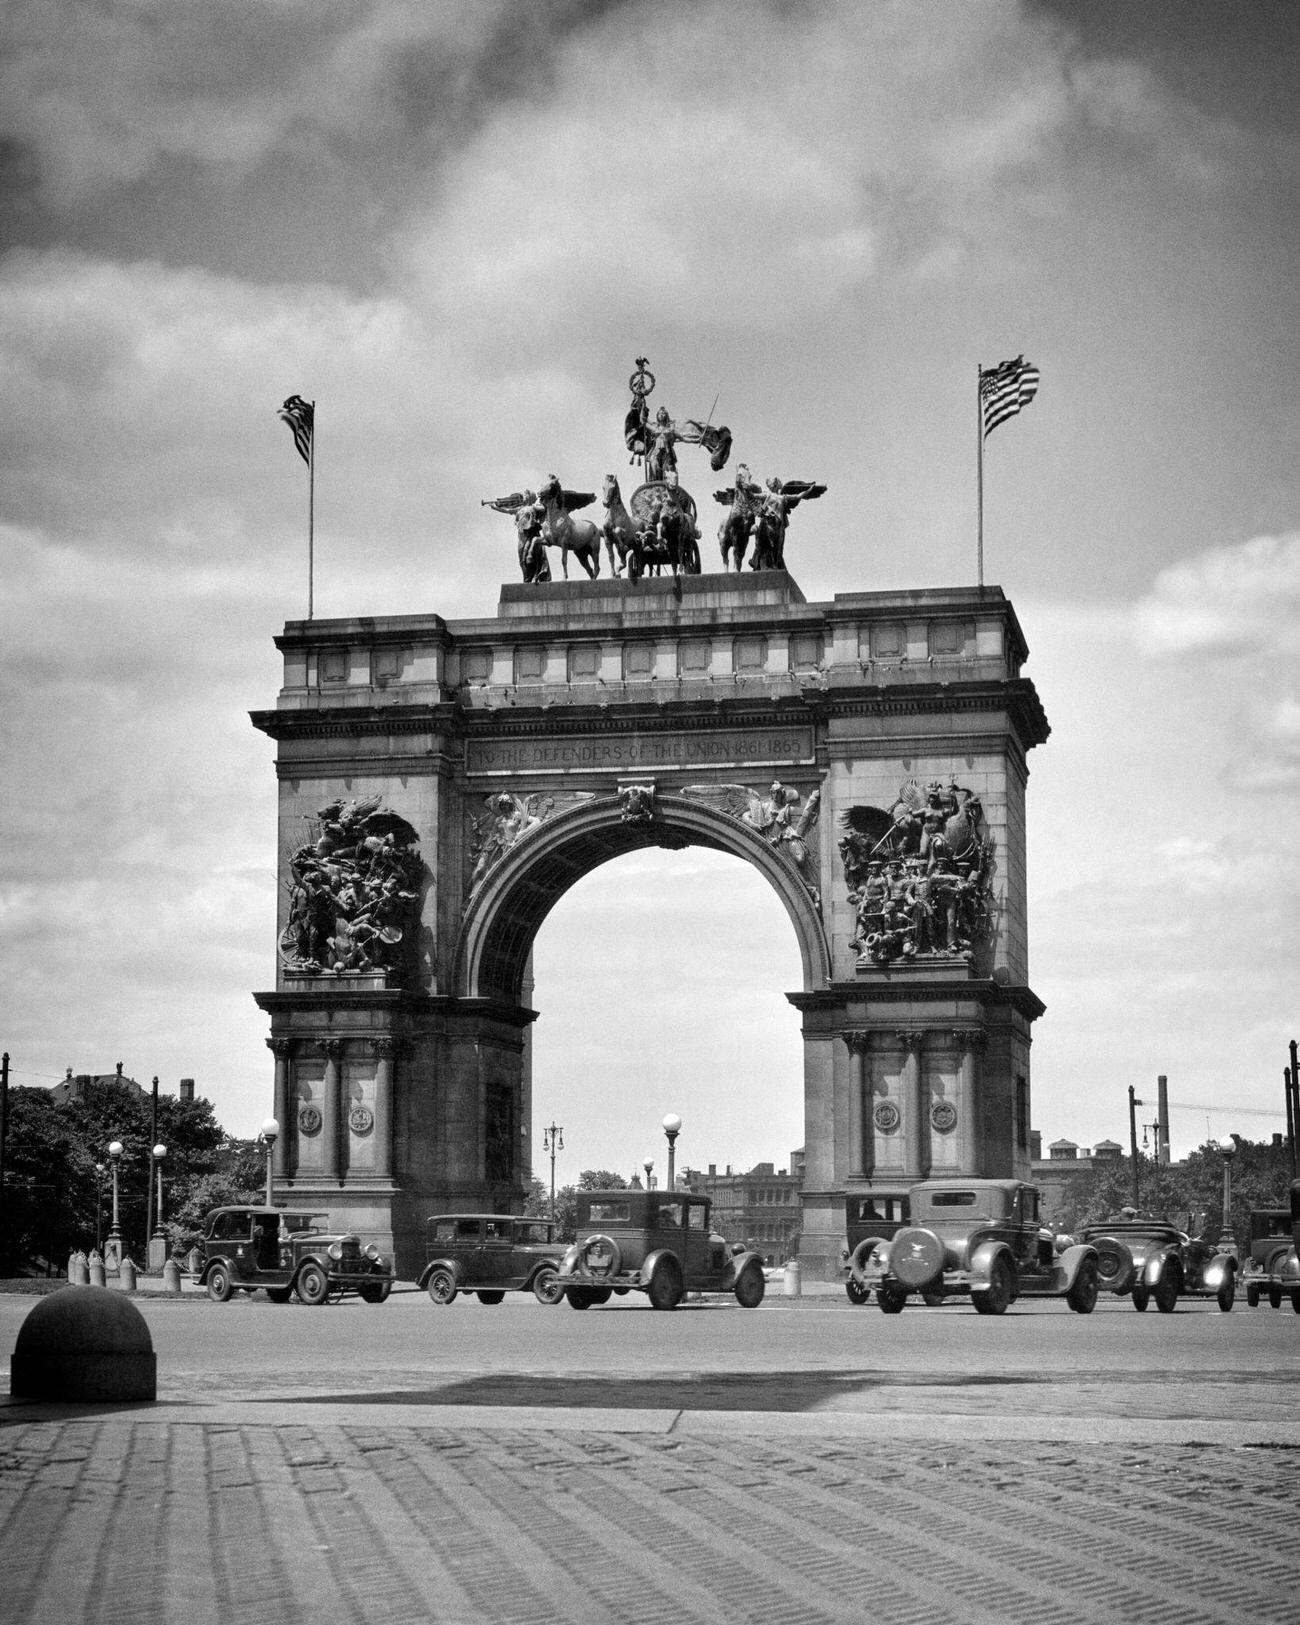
[858, 1040]
[911, 1038]
[280, 1047]
[330, 1048]
[973, 1039]
[385, 1047]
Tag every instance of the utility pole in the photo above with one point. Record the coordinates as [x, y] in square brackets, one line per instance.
[1133, 1104]
[1293, 1106]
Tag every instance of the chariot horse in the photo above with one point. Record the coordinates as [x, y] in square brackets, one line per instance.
[581, 537]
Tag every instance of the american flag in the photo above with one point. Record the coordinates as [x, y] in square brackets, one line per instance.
[1004, 390]
[300, 416]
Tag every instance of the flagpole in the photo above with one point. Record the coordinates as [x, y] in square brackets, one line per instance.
[311, 510]
[979, 473]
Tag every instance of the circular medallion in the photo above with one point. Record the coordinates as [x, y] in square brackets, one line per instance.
[943, 1114]
[361, 1120]
[309, 1120]
[887, 1117]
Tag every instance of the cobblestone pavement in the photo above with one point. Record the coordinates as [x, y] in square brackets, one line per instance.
[120, 1518]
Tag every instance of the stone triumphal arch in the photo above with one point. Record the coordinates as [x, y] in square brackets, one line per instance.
[443, 783]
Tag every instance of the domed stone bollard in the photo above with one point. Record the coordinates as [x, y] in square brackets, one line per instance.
[95, 1267]
[126, 1275]
[171, 1276]
[78, 1269]
[81, 1344]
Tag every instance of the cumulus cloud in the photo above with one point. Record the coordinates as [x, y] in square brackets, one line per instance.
[1241, 598]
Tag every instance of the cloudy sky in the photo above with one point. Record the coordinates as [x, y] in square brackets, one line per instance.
[455, 226]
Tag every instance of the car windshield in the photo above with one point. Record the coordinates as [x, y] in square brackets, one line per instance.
[304, 1223]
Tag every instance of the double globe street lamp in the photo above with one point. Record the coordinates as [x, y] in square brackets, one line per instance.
[672, 1128]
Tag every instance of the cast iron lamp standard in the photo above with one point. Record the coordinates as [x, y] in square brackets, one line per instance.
[159, 1152]
[1227, 1241]
[649, 1166]
[553, 1141]
[113, 1250]
[672, 1128]
[269, 1135]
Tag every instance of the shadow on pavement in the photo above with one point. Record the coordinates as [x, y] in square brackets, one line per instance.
[691, 1391]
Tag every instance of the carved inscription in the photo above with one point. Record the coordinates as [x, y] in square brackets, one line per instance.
[613, 752]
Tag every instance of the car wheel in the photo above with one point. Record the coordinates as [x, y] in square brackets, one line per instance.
[857, 1293]
[1227, 1293]
[601, 1294]
[375, 1294]
[491, 1297]
[313, 1285]
[665, 1289]
[1275, 1297]
[1082, 1296]
[219, 1287]
[1167, 1289]
[997, 1296]
[279, 1294]
[1252, 1297]
[916, 1258]
[1141, 1297]
[441, 1287]
[750, 1286]
[547, 1287]
[579, 1297]
[1114, 1264]
[891, 1298]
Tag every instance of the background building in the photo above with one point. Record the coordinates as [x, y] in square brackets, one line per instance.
[760, 1207]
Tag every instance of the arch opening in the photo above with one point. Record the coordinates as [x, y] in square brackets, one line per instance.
[504, 918]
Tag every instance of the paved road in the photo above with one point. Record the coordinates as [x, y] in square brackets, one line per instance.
[806, 1462]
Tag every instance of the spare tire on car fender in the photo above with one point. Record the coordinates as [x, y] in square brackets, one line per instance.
[1114, 1264]
[916, 1258]
[601, 1244]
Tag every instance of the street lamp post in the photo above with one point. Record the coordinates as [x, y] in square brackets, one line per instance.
[672, 1128]
[1227, 1241]
[649, 1166]
[158, 1243]
[553, 1141]
[99, 1206]
[1133, 1104]
[113, 1251]
[270, 1134]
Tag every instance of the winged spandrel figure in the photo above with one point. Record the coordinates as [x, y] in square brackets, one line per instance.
[781, 816]
[506, 818]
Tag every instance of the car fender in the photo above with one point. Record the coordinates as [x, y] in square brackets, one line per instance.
[736, 1263]
[651, 1260]
[858, 1264]
[452, 1264]
[221, 1258]
[569, 1262]
[1072, 1261]
[980, 1268]
[1217, 1270]
[1155, 1265]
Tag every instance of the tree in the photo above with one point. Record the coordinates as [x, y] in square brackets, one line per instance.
[58, 1176]
[1188, 1193]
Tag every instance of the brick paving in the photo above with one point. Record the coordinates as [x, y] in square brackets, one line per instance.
[136, 1516]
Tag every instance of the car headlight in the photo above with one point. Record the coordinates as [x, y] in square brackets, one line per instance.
[372, 1253]
[335, 1251]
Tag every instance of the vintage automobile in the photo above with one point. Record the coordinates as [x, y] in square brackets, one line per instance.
[1271, 1270]
[1144, 1258]
[491, 1254]
[287, 1251]
[868, 1219]
[982, 1238]
[657, 1242]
